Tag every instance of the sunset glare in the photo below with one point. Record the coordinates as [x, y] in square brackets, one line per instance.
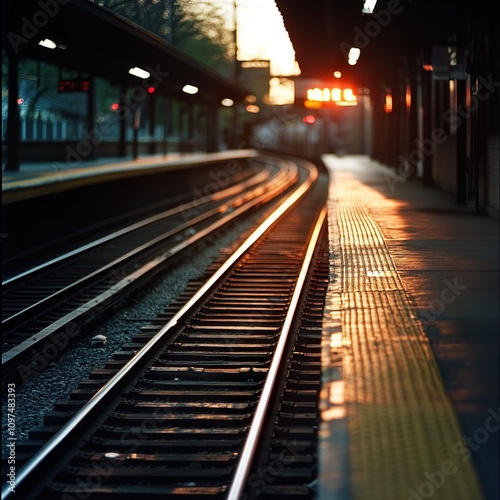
[261, 35]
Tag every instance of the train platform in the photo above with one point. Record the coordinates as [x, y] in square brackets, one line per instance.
[37, 178]
[410, 351]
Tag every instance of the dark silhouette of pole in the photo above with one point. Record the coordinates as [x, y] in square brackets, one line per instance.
[13, 122]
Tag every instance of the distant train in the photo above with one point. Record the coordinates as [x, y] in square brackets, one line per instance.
[311, 132]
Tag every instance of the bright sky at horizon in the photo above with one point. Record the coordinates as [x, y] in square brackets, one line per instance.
[261, 34]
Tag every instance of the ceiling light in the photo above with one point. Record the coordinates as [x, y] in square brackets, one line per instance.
[141, 73]
[252, 108]
[227, 102]
[353, 56]
[190, 89]
[369, 6]
[49, 44]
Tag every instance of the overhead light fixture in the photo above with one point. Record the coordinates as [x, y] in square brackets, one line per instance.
[47, 43]
[252, 108]
[227, 102]
[388, 102]
[353, 56]
[140, 73]
[190, 89]
[369, 6]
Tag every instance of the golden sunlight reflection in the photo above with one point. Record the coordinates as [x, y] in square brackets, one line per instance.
[334, 413]
[381, 274]
[337, 392]
[336, 399]
[336, 340]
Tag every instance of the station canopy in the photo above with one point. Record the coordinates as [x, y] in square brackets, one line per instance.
[95, 41]
[386, 33]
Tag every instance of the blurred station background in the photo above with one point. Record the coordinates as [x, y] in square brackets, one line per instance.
[414, 85]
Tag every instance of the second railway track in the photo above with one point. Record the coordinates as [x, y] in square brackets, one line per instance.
[45, 305]
[186, 409]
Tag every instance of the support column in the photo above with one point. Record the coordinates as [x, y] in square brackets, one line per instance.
[152, 124]
[461, 147]
[427, 101]
[13, 122]
[91, 120]
[137, 124]
[212, 127]
[122, 118]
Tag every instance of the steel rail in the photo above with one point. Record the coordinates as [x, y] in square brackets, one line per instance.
[61, 441]
[220, 195]
[247, 456]
[252, 200]
[16, 318]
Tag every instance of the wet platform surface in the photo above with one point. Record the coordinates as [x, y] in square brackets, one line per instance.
[410, 399]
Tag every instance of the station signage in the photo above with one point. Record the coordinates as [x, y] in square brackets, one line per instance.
[73, 85]
[316, 94]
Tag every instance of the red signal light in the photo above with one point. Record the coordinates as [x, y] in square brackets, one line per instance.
[310, 119]
[114, 106]
[151, 90]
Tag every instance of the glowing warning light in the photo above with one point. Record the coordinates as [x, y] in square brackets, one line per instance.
[310, 119]
[341, 97]
[428, 67]
[388, 103]
[151, 90]
[337, 74]
[336, 94]
[114, 106]
[20, 100]
[315, 94]
[312, 104]
[349, 95]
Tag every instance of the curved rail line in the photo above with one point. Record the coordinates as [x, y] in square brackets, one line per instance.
[91, 411]
[230, 204]
[184, 207]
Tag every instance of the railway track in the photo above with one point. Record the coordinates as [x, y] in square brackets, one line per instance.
[218, 396]
[46, 306]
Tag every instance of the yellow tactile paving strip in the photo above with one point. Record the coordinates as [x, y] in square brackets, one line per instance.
[402, 431]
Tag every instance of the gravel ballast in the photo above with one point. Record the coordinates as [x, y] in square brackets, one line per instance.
[38, 394]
